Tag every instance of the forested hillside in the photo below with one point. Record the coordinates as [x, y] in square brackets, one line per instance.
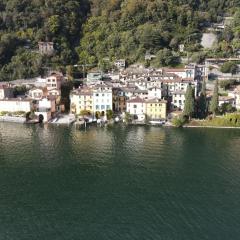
[25, 22]
[92, 31]
[129, 28]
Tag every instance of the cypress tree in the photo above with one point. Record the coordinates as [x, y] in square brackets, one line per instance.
[189, 102]
[214, 101]
[202, 102]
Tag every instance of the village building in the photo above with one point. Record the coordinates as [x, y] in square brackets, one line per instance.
[6, 91]
[54, 81]
[226, 100]
[187, 72]
[119, 100]
[46, 109]
[156, 109]
[16, 105]
[37, 93]
[46, 48]
[236, 95]
[137, 108]
[178, 100]
[81, 100]
[120, 63]
[94, 77]
[155, 92]
[102, 98]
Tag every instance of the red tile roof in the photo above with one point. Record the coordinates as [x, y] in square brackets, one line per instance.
[136, 100]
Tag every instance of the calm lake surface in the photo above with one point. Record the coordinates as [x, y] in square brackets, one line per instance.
[119, 183]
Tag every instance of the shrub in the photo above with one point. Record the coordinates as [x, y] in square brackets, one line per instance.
[179, 121]
[226, 84]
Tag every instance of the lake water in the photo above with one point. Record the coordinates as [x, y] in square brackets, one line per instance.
[119, 183]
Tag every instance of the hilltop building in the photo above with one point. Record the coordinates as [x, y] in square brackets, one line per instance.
[46, 48]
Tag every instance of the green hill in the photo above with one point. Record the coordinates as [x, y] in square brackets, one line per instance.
[90, 31]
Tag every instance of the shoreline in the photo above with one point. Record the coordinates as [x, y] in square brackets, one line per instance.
[12, 119]
[220, 127]
[22, 121]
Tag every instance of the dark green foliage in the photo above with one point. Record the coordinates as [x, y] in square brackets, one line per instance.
[65, 94]
[229, 67]
[24, 23]
[109, 114]
[179, 121]
[24, 64]
[227, 108]
[189, 102]
[128, 29]
[19, 90]
[202, 102]
[165, 57]
[112, 29]
[226, 84]
[213, 108]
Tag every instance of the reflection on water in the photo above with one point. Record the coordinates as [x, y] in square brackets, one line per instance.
[119, 183]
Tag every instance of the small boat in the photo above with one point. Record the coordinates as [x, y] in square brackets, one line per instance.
[157, 122]
[117, 119]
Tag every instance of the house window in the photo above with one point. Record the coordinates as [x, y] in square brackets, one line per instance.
[97, 107]
[134, 106]
[102, 107]
[108, 107]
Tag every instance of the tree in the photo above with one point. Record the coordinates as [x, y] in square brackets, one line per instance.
[165, 57]
[229, 67]
[85, 113]
[202, 102]
[214, 101]
[189, 102]
[97, 115]
[226, 84]
[69, 72]
[109, 114]
[227, 108]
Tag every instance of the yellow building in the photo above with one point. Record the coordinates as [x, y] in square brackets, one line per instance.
[156, 109]
[81, 100]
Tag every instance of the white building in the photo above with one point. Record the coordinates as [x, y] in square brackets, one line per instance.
[6, 92]
[46, 107]
[187, 72]
[178, 99]
[36, 93]
[102, 98]
[46, 103]
[226, 99]
[46, 48]
[137, 108]
[120, 63]
[155, 92]
[54, 81]
[176, 85]
[236, 95]
[16, 105]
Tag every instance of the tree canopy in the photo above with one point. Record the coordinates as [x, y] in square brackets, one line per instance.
[88, 31]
